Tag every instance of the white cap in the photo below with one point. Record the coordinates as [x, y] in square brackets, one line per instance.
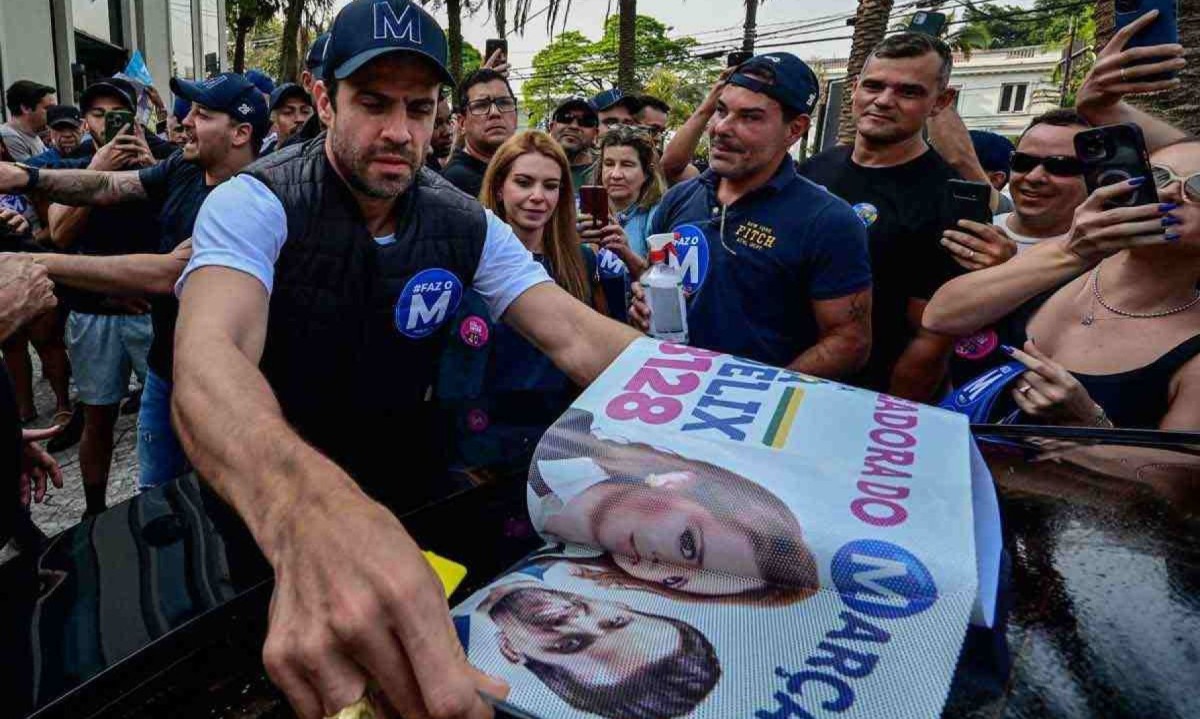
[660, 241]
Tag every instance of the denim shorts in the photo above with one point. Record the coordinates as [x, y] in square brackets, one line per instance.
[103, 350]
[160, 456]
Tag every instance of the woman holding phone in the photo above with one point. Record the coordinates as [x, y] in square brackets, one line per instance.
[501, 390]
[634, 183]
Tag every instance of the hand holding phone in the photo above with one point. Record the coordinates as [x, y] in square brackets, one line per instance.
[734, 59]
[593, 200]
[1163, 29]
[492, 46]
[1114, 154]
[115, 121]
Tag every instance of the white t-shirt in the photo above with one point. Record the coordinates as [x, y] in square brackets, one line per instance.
[1024, 242]
[21, 145]
[242, 226]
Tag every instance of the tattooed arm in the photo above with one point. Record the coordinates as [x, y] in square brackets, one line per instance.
[76, 187]
[845, 341]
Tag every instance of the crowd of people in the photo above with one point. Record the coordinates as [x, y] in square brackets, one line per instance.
[303, 276]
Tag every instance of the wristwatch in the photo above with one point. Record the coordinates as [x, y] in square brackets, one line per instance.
[32, 182]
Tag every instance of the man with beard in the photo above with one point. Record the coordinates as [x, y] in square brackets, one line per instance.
[777, 268]
[312, 317]
[226, 122]
[574, 126]
[290, 107]
[487, 117]
[603, 657]
[897, 185]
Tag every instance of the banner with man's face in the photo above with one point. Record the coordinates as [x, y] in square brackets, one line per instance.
[733, 539]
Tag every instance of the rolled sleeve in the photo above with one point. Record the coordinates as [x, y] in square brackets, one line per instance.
[506, 269]
[242, 226]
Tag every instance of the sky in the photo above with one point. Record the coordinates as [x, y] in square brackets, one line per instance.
[710, 21]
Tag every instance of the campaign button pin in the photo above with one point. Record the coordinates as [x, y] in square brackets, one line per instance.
[474, 331]
[867, 213]
[882, 580]
[428, 299]
[691, 256]
[478, 420]
[978, 345]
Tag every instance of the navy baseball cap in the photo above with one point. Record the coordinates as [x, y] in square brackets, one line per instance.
[123, 90]
[792, 83]
[180, 108]
[367, 29]
[612, 98]
[994, 151]
[228, 92]
[260, 80]
[316, 54]
[572, 103]
[63, 115]
[285, 91]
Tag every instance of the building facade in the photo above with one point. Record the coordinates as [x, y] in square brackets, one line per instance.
[68, 44]
[998, 90]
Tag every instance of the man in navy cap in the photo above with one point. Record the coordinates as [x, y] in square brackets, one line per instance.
[614, 107]
[290, 107]
[574, 125]
[224, 127]
[263, 82]
[312, 63]
[776, 267]
[313, 314]
[66, 128]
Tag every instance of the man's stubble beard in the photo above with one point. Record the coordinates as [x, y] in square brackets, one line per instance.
[354, 164]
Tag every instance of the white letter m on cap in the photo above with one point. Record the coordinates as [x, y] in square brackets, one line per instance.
[387, 25]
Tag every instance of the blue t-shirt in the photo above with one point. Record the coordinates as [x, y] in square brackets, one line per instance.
[754, 268]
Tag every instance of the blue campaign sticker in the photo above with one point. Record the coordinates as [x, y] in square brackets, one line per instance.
[427, 301]
[867, 213]
[691, 248]
[609, 264]
[882, 580]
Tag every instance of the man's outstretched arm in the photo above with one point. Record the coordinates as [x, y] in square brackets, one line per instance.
[75, 187]
[118, 274]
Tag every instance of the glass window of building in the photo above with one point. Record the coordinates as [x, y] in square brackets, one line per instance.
[183, 62]
[99, 18]
[210, 43]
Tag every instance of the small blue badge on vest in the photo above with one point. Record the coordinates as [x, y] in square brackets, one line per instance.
[426, 302]
[691, 255]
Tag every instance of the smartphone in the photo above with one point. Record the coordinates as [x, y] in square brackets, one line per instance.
[734, 59]
[491, 46]
[593, 199]
[1163, 31]
[927, 23]
[970, 201]
[1116, 153]
[114, 122]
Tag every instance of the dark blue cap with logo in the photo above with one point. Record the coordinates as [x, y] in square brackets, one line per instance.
[261, 80]
[285, 91]
[58, 115]
[792, 82]
[115, 87]
[367, 29]
[994, 151]
[180, 108]
[316, 54]
[228, 92]
[614, 97]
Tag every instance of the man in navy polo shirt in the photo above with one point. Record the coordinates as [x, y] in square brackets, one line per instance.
[777, 268]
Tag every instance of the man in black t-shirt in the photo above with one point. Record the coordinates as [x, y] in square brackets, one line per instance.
[487, 117]
[896, 184]
[225, 126]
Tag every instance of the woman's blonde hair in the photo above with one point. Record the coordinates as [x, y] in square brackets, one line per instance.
[560, 242]
[655, 185]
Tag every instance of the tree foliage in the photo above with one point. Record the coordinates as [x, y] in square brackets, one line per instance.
[1048, 22]
[573, 64]
[241, 17]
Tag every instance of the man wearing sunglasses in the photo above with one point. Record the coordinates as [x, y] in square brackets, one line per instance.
[487, 115]
[574, 126]
[1047, 180]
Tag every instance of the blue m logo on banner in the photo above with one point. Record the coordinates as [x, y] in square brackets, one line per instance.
[388, 26]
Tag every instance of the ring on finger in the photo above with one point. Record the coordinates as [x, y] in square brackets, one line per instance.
[1123, 78]
[1024, 389]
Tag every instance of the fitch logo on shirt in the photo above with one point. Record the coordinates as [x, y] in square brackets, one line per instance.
[426, 301]
[691, 256]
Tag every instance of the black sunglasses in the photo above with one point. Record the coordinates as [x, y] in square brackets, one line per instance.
[581, 120]
[1058, 165]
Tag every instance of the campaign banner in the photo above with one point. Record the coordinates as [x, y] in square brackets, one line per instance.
[732, 539]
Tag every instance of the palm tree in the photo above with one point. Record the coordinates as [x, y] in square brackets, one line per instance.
[1181, 106]
[499, 10]
[870, 25]
[242, 16]
[626, 52]
[289, 61]
[454, 38]
[750, 27]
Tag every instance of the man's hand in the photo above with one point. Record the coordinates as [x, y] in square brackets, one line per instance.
[356, 601]
[128, 150]
[12, 222]
[980, 247]
[639, 309]
[498, 62]
[37, 465]
[26, 291]
[1114, 75]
